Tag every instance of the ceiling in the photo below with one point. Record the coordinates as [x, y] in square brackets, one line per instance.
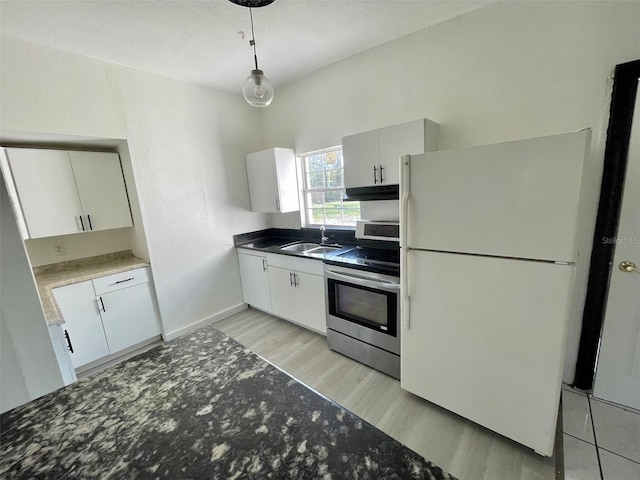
[201, 42]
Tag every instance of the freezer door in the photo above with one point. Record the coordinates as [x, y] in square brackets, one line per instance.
[516, 199]
[486, 340]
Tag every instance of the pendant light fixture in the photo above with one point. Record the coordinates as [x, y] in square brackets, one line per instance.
[258, 89]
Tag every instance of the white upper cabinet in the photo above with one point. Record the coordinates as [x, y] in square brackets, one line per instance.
[273, 185]
[62, 192]
[360, 153]
[101, 188]
[46, 190]
[372, 158]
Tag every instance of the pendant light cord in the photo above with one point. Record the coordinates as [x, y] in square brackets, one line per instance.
[253, 39]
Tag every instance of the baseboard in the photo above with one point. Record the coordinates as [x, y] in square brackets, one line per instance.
[205, 321]
[115, 358]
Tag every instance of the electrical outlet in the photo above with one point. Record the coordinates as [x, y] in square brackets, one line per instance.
[60, 249]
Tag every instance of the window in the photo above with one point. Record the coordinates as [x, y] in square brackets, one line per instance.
[324, 190]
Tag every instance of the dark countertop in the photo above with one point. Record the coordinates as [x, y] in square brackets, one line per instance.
[273, 239]
[270, 241]
[201, 406]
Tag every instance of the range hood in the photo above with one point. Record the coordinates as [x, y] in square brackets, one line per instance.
[379, 192]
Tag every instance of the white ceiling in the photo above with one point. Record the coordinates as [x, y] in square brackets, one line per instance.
[199, 41]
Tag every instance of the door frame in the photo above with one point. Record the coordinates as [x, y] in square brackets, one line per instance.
[623, 98]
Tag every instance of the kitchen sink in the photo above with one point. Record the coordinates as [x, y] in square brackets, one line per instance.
[299, 247]
[308, 248]
[321, 250]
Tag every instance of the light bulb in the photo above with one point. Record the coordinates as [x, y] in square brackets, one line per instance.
[258, 90]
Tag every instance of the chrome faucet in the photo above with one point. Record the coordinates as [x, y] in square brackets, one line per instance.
[323, 239]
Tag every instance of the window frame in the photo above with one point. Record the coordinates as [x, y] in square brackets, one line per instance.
[306, 190]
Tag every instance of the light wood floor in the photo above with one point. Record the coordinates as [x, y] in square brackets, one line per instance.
[460, 447]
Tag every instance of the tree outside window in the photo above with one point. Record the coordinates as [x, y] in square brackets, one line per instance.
[324, 190]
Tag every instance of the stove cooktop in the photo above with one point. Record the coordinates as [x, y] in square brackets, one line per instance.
[378, 260]
[373, 255]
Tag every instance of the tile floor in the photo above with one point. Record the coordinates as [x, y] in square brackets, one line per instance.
[601, 440]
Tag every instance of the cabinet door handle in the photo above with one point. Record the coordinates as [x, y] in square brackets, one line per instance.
[381, 169]
[122, 281]
[264, 265]
[82, 223]
[295, 279]
[277, 204]
[89, 219]
[291, 278]
[375, 174]
[101, 303]
[69, 345]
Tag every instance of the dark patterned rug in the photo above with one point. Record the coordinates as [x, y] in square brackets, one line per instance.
[202, 406]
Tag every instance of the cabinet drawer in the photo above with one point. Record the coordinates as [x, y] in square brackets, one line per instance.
[248, 251]
[120, 280]
[307, 265]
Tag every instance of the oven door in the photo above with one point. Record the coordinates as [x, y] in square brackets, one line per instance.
[364, 306]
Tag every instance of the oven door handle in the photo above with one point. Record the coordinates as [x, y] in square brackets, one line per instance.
[361, 281]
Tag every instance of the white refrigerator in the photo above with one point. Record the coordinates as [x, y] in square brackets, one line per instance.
[488, 251]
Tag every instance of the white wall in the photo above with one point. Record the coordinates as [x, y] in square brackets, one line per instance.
[42, 250]
[137, 237]
[503, 72]
[187, 146]
[506, 71]
[13, 389]
[28, 366]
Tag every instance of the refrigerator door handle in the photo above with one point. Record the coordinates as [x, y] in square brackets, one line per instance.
[405, 164]
[405, 312]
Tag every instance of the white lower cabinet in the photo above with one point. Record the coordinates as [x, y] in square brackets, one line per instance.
[311, 302]
[61, 349]
[297, 290]
[255, 279]
[128, 316]
[107, 315]
[82, 322]
[283, 293]
[285, 286]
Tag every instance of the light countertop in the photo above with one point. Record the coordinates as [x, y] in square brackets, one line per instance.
[60, 274]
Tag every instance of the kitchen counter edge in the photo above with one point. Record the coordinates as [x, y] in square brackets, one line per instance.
[273, 245]
[53, 276]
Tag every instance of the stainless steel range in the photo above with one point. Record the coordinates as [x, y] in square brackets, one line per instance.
[362, 289]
